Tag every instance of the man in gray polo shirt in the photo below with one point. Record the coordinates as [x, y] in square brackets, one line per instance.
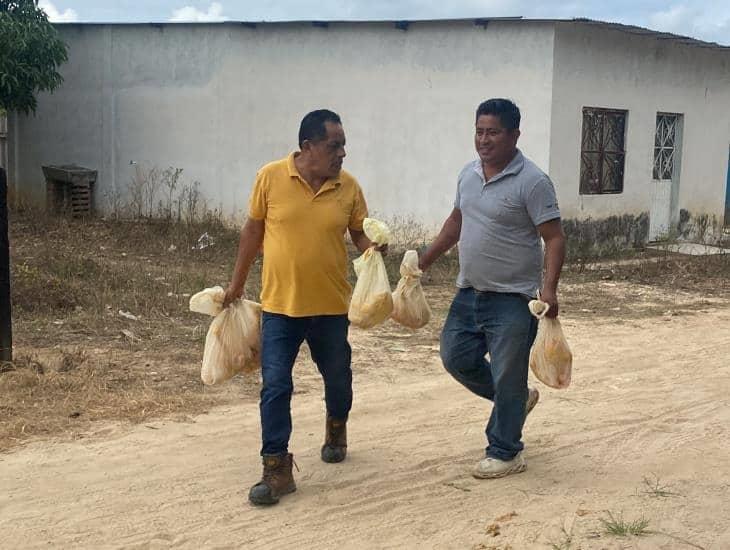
[504, 206]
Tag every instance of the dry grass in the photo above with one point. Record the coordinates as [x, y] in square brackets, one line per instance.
[59, 265]
[78, 359]
[68, 393]
[707, 274]
[654, 487]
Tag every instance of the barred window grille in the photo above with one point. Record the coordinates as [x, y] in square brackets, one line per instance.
[665, 145]
[602, 151]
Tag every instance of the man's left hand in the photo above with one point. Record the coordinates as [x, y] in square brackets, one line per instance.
[551, 298]
[383, 248]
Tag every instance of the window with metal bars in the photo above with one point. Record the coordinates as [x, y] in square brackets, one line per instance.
[665, 144]
[602, 152]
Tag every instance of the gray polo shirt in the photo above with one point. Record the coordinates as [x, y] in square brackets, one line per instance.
[499, 245]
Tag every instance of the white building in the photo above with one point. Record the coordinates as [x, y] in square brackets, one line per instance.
[632, 125]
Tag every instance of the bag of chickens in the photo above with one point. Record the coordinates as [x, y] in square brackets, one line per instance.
[232, 344]
[372, 302]
[550, 358]
[410, 308]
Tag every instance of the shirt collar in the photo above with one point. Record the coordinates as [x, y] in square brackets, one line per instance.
[513, 168]
[294, 173]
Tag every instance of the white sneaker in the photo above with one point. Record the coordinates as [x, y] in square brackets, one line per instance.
[490, 468]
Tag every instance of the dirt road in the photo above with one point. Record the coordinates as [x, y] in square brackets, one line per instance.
[642, 432]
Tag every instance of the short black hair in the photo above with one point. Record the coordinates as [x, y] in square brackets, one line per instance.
[505, 109]
[312, 126]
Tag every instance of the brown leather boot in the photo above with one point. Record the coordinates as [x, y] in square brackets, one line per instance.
[276, 482]
[335, 440]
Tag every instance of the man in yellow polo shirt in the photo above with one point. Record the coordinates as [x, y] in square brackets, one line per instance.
[300, 208]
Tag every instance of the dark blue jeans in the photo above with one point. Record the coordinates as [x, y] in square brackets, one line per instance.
[281, 338]
[501, 325]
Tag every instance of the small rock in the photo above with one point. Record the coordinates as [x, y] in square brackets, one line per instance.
[128, 315]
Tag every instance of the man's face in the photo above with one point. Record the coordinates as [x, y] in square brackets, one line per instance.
[494, 143]
[327, 154]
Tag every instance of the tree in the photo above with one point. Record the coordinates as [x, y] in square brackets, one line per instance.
[30, 54]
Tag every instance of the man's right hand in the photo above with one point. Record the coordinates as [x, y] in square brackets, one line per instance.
[232, 294]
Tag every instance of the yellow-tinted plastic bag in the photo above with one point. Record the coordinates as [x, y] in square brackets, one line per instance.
[550, 357]
[376, 231]
[410, 307]
[233, 342]
[372, 302]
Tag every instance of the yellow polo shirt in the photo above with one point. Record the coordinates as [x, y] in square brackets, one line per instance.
[305, 259]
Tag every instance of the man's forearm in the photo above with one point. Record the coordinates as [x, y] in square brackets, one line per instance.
[554, 258]
[248, 248]
[446, 239]
[361, 242]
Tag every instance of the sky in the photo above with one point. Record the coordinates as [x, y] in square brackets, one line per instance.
[703, 19]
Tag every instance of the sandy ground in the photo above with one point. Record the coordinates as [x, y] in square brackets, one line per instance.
[648, 402]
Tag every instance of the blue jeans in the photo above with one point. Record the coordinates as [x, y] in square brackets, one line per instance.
[281, 338]
[501, 325]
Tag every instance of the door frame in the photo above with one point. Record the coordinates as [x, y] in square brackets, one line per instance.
[667, 190]
[727, 192]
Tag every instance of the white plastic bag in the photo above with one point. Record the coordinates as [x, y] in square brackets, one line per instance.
[208, 301]
[372, 301]
[410, 307]
[550, 357]
[232, 344]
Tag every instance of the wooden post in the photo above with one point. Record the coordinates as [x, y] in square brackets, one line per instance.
[6, 330]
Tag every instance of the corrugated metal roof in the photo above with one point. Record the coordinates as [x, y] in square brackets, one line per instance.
[404, 24]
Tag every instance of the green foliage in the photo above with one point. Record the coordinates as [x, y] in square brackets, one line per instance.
[30, 54]
[621, 528]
